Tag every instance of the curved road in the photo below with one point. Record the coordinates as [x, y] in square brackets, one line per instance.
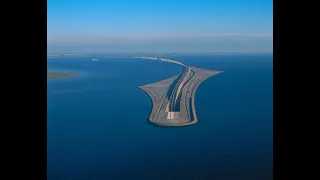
[164, 111]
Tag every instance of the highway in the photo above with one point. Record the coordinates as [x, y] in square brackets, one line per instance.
[176, 108]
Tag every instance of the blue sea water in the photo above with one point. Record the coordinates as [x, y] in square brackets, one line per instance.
[97, 125]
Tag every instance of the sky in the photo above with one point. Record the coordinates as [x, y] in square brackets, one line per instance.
[160, 26]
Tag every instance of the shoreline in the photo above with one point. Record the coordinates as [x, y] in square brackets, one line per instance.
[59, 74]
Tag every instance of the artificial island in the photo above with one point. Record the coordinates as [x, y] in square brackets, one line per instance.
[173, 99]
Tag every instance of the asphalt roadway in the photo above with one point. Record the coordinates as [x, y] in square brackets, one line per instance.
[179, 108]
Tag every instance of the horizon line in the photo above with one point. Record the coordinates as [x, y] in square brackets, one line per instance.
[168, 53]
[160, 36]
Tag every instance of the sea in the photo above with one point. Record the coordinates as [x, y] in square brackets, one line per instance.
[98, 129]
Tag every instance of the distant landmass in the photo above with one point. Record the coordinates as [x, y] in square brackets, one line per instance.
[57, 74]
[129, 55]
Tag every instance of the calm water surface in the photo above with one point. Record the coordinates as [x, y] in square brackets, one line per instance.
[98, 129]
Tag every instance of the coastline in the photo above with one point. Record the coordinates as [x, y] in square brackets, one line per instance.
[58, 74]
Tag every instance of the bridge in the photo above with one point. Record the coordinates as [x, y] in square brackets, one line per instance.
[175, 107]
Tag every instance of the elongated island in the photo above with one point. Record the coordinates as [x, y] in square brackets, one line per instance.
[172, 99]
[57, 74]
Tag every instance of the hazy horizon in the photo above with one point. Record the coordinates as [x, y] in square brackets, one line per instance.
[168, 26]
[153, 53]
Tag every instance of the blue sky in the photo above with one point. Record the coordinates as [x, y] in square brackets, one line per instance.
[160, 25]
